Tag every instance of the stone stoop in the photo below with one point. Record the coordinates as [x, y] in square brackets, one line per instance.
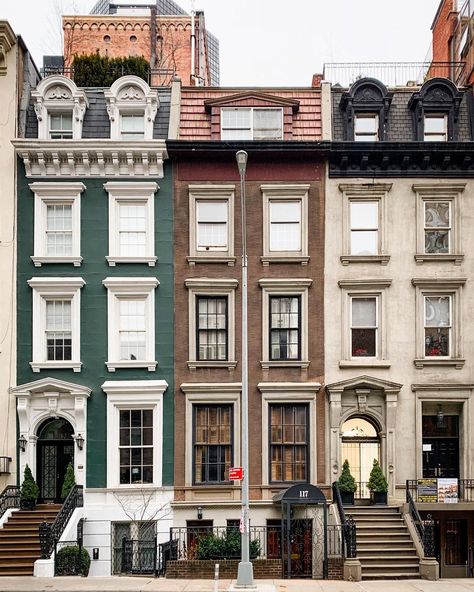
[385, 548]
[19, 539]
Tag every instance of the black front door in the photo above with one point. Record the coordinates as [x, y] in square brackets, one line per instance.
[55, 450]
[441, 457]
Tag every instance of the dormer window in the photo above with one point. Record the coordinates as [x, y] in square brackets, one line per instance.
[132, 108]
[435, 110]
[251, 124]
[435, 127]
[132, 126]
[60, 126]
[365, 109]
[60, 107]
[366, 127]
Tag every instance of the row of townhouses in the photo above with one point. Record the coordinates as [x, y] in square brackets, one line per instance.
[121, 300]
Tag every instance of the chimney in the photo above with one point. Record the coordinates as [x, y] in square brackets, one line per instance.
[317, 79]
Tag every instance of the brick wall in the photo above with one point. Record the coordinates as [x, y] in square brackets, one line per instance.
[335, 568]
[443, 27]
[263, 569]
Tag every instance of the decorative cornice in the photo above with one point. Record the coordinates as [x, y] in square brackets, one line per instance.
[91, 158]
[254, 96]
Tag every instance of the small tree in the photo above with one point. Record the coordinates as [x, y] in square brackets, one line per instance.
[69, 481]
[377, 481]
[346, 481]
[29, 491]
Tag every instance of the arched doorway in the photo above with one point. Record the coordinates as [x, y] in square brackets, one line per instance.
[360, 445]
[55, 450]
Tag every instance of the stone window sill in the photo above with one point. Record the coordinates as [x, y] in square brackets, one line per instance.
[151, 366]
[421, 258]
[151, 261]
[381, 259]
[364, 363]
[74, 366]
[211, 259]
[457, 363]
[303, 260]
[285, 364]
[230, 365]
[38, 261]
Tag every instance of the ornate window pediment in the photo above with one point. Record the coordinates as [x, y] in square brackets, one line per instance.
[253, 99]
[60, 108]
[132, 108]
[7, 41]
[368, 99]
[438, 99]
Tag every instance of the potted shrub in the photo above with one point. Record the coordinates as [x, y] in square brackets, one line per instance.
[377, 484]
[347, 484]
[69, 481]
[29, 491]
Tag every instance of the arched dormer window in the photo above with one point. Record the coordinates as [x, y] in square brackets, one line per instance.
[60, 107]
[365, 106]
[132, 107]
[435, 110]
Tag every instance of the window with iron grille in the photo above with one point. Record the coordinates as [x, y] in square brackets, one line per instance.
[136, 446]
[211, 326]
[289, 442]
[212, 443]
[285, 327]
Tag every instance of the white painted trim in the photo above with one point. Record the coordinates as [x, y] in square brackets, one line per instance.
[55, 288]
[130, 287]
[133, 394]
[289, 193]
[56, 194]
[210, 393]
[124, 193]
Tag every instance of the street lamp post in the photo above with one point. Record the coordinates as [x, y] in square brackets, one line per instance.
[245, 570]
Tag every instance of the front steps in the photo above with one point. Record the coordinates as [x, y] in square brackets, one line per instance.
[19, 539]
[384, 544]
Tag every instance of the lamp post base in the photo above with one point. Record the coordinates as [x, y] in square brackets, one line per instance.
[245, 576]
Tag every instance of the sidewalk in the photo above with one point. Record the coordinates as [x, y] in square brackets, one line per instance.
[145, 584]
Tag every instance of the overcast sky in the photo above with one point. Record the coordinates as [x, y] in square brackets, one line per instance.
[269, 42]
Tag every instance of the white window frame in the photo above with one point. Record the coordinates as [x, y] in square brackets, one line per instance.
[211, 287]
[62, 193]
[133, 394]
[428, 135]
[59, 94]
[131, 95]
[289, 392]
[362, 136]
[211, 193]
[131, 192]
[452, 287]
[451, 193]
[251, 122]
[285, 287]
[285, 193]
[130, 288]
[55, 288]
[370, 288]
[365, 192]
[215, 393]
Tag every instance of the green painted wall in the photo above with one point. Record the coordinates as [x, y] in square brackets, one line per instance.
[94, 268]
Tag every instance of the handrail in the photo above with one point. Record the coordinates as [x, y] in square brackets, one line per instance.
[349, 542]
[9, 498]
[49, 534]
[424, 528]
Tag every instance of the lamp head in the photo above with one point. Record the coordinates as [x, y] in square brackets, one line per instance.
[241, 157]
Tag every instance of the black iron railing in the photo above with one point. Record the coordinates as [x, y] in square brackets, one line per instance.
[392, 73]
[465, 491]
[223, 542]
[424, 528]
[348, 525]
[9, 498]
[49, 534]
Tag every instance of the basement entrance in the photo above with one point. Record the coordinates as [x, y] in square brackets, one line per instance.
[304, 531]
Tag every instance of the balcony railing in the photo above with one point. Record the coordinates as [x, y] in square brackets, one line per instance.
[392, 73]
[465, 492]
[154, 77]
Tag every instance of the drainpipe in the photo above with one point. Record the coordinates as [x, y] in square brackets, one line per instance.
[193, 44]
[152, 38]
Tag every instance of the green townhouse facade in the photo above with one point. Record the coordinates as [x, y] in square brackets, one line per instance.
[95, 308]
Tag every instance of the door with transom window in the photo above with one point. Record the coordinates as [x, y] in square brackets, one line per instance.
[55, 450]
[360, 446]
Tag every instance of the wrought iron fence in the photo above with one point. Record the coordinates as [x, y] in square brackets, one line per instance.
[139, 556]
[49, 534]
[465, 490]
[223, 542]
[349, 531]
[392, 73]
[9, 498]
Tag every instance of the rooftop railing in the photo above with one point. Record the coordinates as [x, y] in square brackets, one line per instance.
[392, 73]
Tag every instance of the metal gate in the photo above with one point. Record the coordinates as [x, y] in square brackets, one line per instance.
[139, 556]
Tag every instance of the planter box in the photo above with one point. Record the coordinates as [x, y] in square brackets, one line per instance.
[378, 498]
[193, 569]
[26, 504]
[347, 498]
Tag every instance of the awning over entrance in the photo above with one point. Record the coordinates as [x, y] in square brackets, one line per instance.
[301, 493]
